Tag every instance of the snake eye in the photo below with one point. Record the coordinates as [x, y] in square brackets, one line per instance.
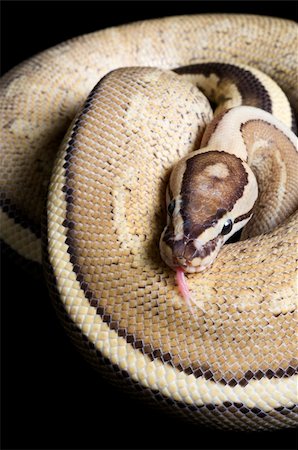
[227, 227]
[171, 206]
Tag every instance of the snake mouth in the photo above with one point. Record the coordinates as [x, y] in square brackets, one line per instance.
[189, 267]
[180, 262]
[185, 255]
[191, 257]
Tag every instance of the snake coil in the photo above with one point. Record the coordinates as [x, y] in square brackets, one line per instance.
[233, 363]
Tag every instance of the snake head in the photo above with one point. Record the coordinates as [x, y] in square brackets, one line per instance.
[210, 196]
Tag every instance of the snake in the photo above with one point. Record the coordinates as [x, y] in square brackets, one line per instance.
[120, 179]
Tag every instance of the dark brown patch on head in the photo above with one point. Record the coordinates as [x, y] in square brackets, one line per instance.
[211, 185]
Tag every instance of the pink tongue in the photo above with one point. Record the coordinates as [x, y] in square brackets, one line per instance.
[183, 288]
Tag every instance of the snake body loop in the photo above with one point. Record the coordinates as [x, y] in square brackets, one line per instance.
[232, 361]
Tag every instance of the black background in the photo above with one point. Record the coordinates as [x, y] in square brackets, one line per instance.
[51, 398]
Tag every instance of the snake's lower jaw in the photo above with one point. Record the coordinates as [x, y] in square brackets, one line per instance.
[196, 269]
[202, 261]
[191, 268]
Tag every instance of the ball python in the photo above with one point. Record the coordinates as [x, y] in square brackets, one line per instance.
[232, 363]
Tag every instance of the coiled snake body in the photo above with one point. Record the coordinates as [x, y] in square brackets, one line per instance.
[231, 360]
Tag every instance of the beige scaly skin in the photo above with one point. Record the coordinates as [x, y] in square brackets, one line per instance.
[232, 364]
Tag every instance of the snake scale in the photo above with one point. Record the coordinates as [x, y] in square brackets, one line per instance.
[230, 362]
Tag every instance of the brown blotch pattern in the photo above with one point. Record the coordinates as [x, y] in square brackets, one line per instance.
[252, 91]
[206, 197]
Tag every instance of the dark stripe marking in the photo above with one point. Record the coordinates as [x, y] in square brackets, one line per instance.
[252, 91]
[244, 216]
[18, 216]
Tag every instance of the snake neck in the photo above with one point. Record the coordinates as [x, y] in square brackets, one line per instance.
[269, 147]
